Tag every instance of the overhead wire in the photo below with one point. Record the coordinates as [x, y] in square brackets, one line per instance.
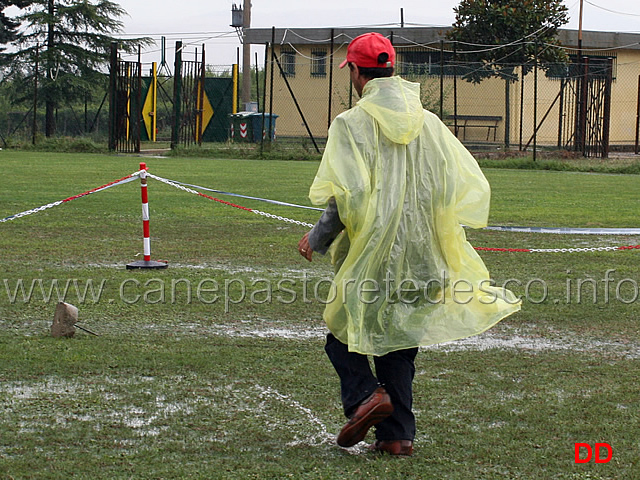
[194, 38]
[216, 35]
[328, 55]
[612, 11]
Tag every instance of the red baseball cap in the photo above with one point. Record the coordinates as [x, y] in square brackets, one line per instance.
[365, 49]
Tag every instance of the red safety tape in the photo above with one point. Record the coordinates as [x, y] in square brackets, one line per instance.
[97, 188]
[226, 203]
[511, 250]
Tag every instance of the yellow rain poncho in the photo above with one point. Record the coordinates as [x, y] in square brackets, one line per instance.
[405, 274]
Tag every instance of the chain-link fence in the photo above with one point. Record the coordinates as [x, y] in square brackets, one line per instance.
[588, 104]
[19, 123]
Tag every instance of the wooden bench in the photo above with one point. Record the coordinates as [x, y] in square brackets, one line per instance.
[490, 122]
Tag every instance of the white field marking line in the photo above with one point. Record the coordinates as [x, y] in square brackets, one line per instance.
[323, 436]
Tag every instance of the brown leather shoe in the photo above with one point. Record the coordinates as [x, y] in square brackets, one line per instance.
[372, 410]
[393, 447]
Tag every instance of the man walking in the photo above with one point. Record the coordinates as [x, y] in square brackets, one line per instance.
[399, 186]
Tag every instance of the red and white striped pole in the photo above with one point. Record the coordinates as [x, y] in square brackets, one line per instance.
[145, 212]
[146, 262]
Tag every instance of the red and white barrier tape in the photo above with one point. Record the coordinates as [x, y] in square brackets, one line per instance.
[121, 181]
[257, 212]
[558, 250]
[178, 185]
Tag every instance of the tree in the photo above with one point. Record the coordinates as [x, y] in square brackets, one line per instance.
[520, 26]
[73, 38]
[9, 26]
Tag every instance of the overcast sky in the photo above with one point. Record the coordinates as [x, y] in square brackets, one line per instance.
[207, 21]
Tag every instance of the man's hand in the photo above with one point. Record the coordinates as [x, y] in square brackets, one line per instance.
[304, 248]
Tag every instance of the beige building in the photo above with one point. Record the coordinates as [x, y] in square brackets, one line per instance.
[322, 90]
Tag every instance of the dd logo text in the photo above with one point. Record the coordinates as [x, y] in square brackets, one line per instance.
[594, 452]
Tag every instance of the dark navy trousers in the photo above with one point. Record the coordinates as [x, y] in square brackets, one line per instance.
[394, 371]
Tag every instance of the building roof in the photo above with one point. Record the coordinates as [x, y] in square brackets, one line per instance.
[407, 36]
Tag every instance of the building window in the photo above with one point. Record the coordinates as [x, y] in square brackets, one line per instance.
[428, 62]
[288, 61]
[318, 63]
[417, 63]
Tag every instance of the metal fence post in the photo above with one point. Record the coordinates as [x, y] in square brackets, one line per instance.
[138, 104]
[455, 88]
[507, 112]
[563, 82]
[535, 101]
[264, 93]
[442, 80]
[177, 96]
[330, 80]
[273, 56]
[584, 92]
[521, 104]
[200, 95]
[34, 129]
[606, 120]
[638, 119]
[113, 75]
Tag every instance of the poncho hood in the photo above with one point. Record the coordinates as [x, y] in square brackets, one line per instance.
[395, 104]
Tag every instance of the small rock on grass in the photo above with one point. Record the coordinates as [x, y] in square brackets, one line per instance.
[64, 321]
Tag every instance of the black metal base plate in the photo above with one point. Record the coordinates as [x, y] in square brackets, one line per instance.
[147, 264]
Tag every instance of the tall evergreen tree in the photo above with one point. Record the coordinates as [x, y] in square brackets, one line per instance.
[73, 38]
[8, 25]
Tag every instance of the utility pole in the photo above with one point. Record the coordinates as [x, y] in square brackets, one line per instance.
[580, 92]
[246, 54]
[580, 29]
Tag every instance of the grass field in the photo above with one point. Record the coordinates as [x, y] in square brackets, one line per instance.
[214, 367]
